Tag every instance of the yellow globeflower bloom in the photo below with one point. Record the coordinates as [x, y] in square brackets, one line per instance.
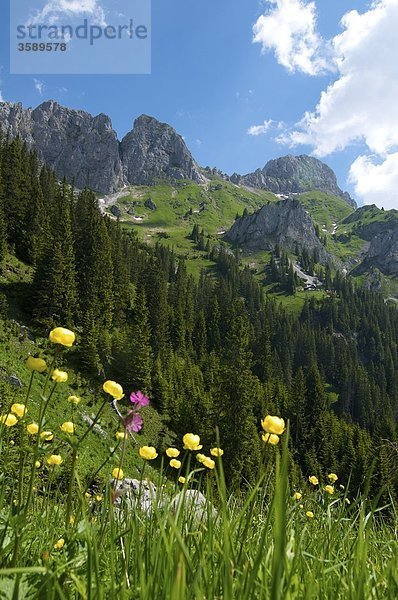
[60, 544]
[55, 459]
[47, 436]
[121, 435]
[117, 473]
[8, 420]
[62, 336]
[176, 464]
[191, 442]
[301, 506]
[329, 489]
[274, 425]
[172, 452]
[74, 399]
[200, 457]
[32, 428]
[59, 376]
[216, 451]
[113, 389]
[310, 514]
[209, 463]
[36, 364]
[148, 452]
[270, 438]
[19, 410]
[99, 498]
[297, 496]
[37, 464]
[332, 477]
[67, 427]
[182, 479]
[314, 480]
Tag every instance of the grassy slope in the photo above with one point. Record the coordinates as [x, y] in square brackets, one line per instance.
[16, 343]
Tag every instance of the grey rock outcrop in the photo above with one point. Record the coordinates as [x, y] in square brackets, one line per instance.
[85, 149]
[294, 175]
[382, 253]
[75, 144]
[154, 150]
[285, 223]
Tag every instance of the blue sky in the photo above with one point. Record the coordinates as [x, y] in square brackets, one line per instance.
[212, 83]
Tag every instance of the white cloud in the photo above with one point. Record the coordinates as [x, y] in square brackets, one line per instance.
[289, 28]
[260, 129]
[54, 10]
[198, 142]
[360, 106]
[376, 182]
[1, 97]
[39, 86]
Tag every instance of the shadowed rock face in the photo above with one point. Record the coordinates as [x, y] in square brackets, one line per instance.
[285, 223]
[382, 253]
[85, 149]
[294, 174]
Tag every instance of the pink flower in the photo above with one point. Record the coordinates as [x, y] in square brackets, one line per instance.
[133, 422]
[139, 399]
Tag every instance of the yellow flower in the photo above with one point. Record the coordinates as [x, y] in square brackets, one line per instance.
[99, 498]
[60, 544]
[74, 399]
[297, 496]
[72, 520]
[37, 464]
[32, 428]
[148, 452]
[172, 452]
[47, 436]
[332, 477]
[176, 464]
[270, 438]
[19, 409]
[117, 473]
[216, 451]
[191, 442]
[113, 389]
[209, 463]
[274, 425]
[314, 480]
[59, 376]
[182, 479]
[54, 459]
[36, 364]
[8, 420]
[87, 495]
[200, 457]
[121, 435]
[67, 427]
[347, 501]
[329, 489]
[62, 336]
[310, 514]
[301, 506]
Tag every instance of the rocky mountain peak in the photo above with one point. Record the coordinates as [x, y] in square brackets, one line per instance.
[154, 150]
[293, 175]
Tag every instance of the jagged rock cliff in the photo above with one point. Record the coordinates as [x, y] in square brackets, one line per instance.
[294, 174]
[155, 150]
[285, 223]
[72, 142]
[85, 148]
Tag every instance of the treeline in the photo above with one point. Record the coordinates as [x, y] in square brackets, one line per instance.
[213, 353]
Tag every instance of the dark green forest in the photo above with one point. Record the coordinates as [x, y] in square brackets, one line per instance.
[212, 353]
